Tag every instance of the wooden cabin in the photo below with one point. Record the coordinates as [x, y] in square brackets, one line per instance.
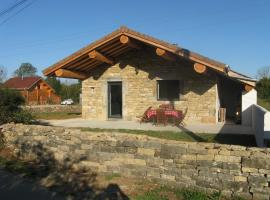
[34, 89]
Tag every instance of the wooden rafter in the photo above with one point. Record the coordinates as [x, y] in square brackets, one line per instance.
[98, 56]
[123, 49]
[248, 88]
[200, 68]
[165, 54]
[64, 73]
[87, 63]
[127, 41]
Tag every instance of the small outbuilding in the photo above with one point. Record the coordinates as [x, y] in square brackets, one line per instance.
[34, 89]
[125, 72]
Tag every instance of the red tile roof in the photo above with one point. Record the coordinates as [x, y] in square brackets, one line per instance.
[21, 83]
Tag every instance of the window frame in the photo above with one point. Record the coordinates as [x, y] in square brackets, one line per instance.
[167, 99]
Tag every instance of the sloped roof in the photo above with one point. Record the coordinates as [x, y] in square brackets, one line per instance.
[20, 83]
[111, 47]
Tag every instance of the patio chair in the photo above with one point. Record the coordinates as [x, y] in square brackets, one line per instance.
[144, 117]
[161, 117]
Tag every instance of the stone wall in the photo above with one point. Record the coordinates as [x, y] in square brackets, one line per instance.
[53, 108]
[139, 72]
[235, 170]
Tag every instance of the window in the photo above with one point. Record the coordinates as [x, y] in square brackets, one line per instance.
[168, 89]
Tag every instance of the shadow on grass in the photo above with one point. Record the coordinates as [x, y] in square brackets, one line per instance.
[65, 178]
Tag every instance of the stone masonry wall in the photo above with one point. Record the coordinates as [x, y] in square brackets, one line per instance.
[53, 108]
[235, 170]
[139, 72]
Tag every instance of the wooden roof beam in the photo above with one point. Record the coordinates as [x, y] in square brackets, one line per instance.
[64, 73]
[100, 57]
[248, 87]
[200, 68]
[165, 54]
[129, 42]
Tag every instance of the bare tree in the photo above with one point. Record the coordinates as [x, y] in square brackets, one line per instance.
[3, 74]
[263, 72]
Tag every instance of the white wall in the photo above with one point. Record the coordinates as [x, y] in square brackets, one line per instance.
[248, 99]
[260, 124]
[267, 125]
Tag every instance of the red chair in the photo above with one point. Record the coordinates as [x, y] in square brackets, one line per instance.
[144, 117]
[161, 117]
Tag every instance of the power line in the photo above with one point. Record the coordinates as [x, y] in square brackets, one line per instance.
[16, 13]
[12, 7]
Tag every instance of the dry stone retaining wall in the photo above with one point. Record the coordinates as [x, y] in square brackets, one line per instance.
[232, 169]
[54, 108]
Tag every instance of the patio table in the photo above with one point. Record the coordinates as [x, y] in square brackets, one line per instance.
[176, 114]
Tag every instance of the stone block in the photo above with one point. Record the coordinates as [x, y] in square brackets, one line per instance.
[167, 177]
[240, 179]
[148, 152]
[259, 196]
[205, 157]
[153, 172]
[256, 162]
[171, 151]
[249, 170]
[154, 162]
[230, 159]
[86, 146]
[235, 186]
[258, 181]
[196, 149]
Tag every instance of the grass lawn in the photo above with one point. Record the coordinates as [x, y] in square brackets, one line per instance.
[236, 139]
[57, 115]
[264, 103]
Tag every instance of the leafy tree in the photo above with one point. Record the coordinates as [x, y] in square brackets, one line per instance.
[25, 70]
[72, 91]
[55, 84]
[3, 74]
[263, 88]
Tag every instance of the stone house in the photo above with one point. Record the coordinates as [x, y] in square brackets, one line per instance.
[34, 89]
[125, 72]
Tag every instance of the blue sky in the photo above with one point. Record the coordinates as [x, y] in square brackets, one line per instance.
[236, 32]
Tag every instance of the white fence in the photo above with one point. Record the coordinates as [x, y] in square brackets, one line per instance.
[260, 124]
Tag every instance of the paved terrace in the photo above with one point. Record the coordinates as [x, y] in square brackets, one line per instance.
[121, 124]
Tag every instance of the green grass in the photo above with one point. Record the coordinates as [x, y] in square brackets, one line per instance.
[187, 194]
[110, 177]
[264, 103]
[236, 139]
[57, 115]
[166, 193]
[161, 193]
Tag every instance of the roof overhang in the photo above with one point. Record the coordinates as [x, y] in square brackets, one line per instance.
[79, 64]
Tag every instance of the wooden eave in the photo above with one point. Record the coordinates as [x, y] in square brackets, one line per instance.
[111, 47]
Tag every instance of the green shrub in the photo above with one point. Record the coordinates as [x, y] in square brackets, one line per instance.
[10, 110]
[22, 116]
